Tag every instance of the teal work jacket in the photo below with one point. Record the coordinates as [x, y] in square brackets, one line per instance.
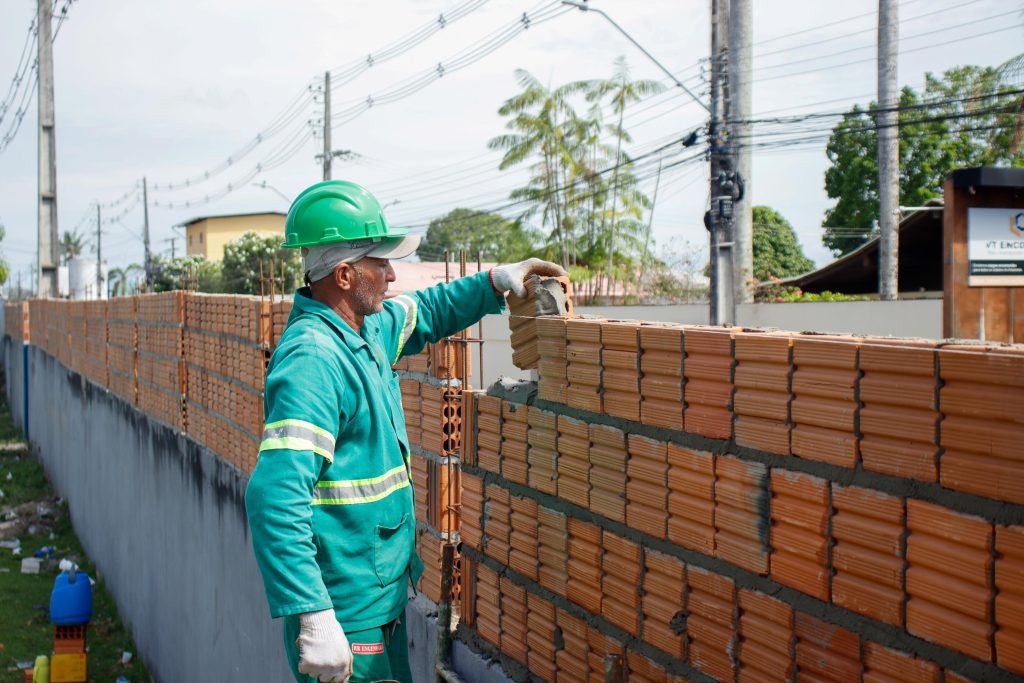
[330, 502]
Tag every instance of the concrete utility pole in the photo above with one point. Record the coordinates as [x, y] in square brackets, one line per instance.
[887, 122]
[719, 218]
[99, 254]
[740, 63]
[145, 237]
[328, 155]
[48, 239]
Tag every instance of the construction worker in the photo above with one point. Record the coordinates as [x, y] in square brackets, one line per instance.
[330, 502]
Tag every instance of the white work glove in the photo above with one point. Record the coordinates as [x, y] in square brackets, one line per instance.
[323, 648]
[513, 275]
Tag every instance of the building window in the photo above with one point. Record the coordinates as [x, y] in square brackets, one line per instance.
[200, 238]
[190, 240]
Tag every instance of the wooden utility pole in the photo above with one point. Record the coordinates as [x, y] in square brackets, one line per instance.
[887, 122]
[48, 255]
[328, 156]
[719, 223]
[740, 64]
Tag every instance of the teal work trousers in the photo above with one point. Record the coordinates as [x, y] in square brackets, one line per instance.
[378, 654]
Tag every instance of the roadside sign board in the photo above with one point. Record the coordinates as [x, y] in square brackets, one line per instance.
[995, 247]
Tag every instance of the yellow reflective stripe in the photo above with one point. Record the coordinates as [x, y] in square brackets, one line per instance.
[294, 443]
[408, 304]
[361, 482]
[301, 424]
[363, 499]
[352, 491]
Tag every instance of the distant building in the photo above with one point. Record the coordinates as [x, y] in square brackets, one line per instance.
[207, 235]
[920, 261]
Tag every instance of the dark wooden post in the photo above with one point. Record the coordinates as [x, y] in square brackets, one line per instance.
[984, 284]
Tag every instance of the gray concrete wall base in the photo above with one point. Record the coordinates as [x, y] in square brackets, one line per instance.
[163, 518]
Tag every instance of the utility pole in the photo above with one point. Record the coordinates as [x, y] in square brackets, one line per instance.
[328, 155]
[145, 237]
[48, 240]
[719, 218]
[99, 254]
[172, 240]
[887, 121]
[740, 64]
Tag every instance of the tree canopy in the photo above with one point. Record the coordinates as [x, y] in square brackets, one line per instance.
[491, 234]
[581, 190]
[185, 272]
[967, 117]
[777, 251]
[251, 256]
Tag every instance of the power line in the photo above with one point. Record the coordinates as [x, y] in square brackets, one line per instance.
[460, 60]
[873, 46]
[902, 52]
[341, 75]
[871, 29]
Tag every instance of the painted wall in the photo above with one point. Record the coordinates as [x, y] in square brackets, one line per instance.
[208, 237]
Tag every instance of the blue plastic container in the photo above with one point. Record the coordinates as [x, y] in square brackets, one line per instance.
[71, 599]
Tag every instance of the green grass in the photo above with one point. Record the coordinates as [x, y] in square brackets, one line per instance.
[25, 628]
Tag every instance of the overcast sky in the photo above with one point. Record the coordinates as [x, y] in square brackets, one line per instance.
[171, 90]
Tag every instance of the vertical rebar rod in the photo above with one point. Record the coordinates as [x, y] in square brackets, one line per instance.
[444, 611]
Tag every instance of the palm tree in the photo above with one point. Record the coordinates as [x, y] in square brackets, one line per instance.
[620, 91]
[544, 124]
[71, 245]
[119, 278]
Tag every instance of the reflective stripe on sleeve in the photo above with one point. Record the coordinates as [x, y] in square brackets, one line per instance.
[356, 491]
[297, 435]
[410, 307]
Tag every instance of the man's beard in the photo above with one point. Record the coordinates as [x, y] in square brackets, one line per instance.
[366, 298]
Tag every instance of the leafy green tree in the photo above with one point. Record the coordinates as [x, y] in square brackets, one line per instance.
[71, 245]
[250, 260]
[186, 272]
[491, 234]
[621, 91]
[968, 117]
[777, 251]
[119, 279]
[4, 268]
[544, 127]
[583, 190]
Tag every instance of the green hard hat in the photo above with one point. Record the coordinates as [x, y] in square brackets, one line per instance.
[336, 211]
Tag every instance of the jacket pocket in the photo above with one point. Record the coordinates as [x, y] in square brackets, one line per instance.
[391, 550]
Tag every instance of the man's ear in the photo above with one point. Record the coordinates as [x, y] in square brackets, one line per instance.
[345, 276]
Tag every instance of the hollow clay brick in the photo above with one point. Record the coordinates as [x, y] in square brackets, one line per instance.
[949, 581]
[981, 440]
[884, 665]
[799, 535]
[709, 382]
[741, 513]
[765, 637]
[825, 651]
[762, 398]
[664, 586]
[710, 623]
[691, 506]
[571, 659]
[1009, 614]
[899, 413]
[867, 556]
[824, 407]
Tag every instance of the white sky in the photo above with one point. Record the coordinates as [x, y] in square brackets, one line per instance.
[168, 90]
